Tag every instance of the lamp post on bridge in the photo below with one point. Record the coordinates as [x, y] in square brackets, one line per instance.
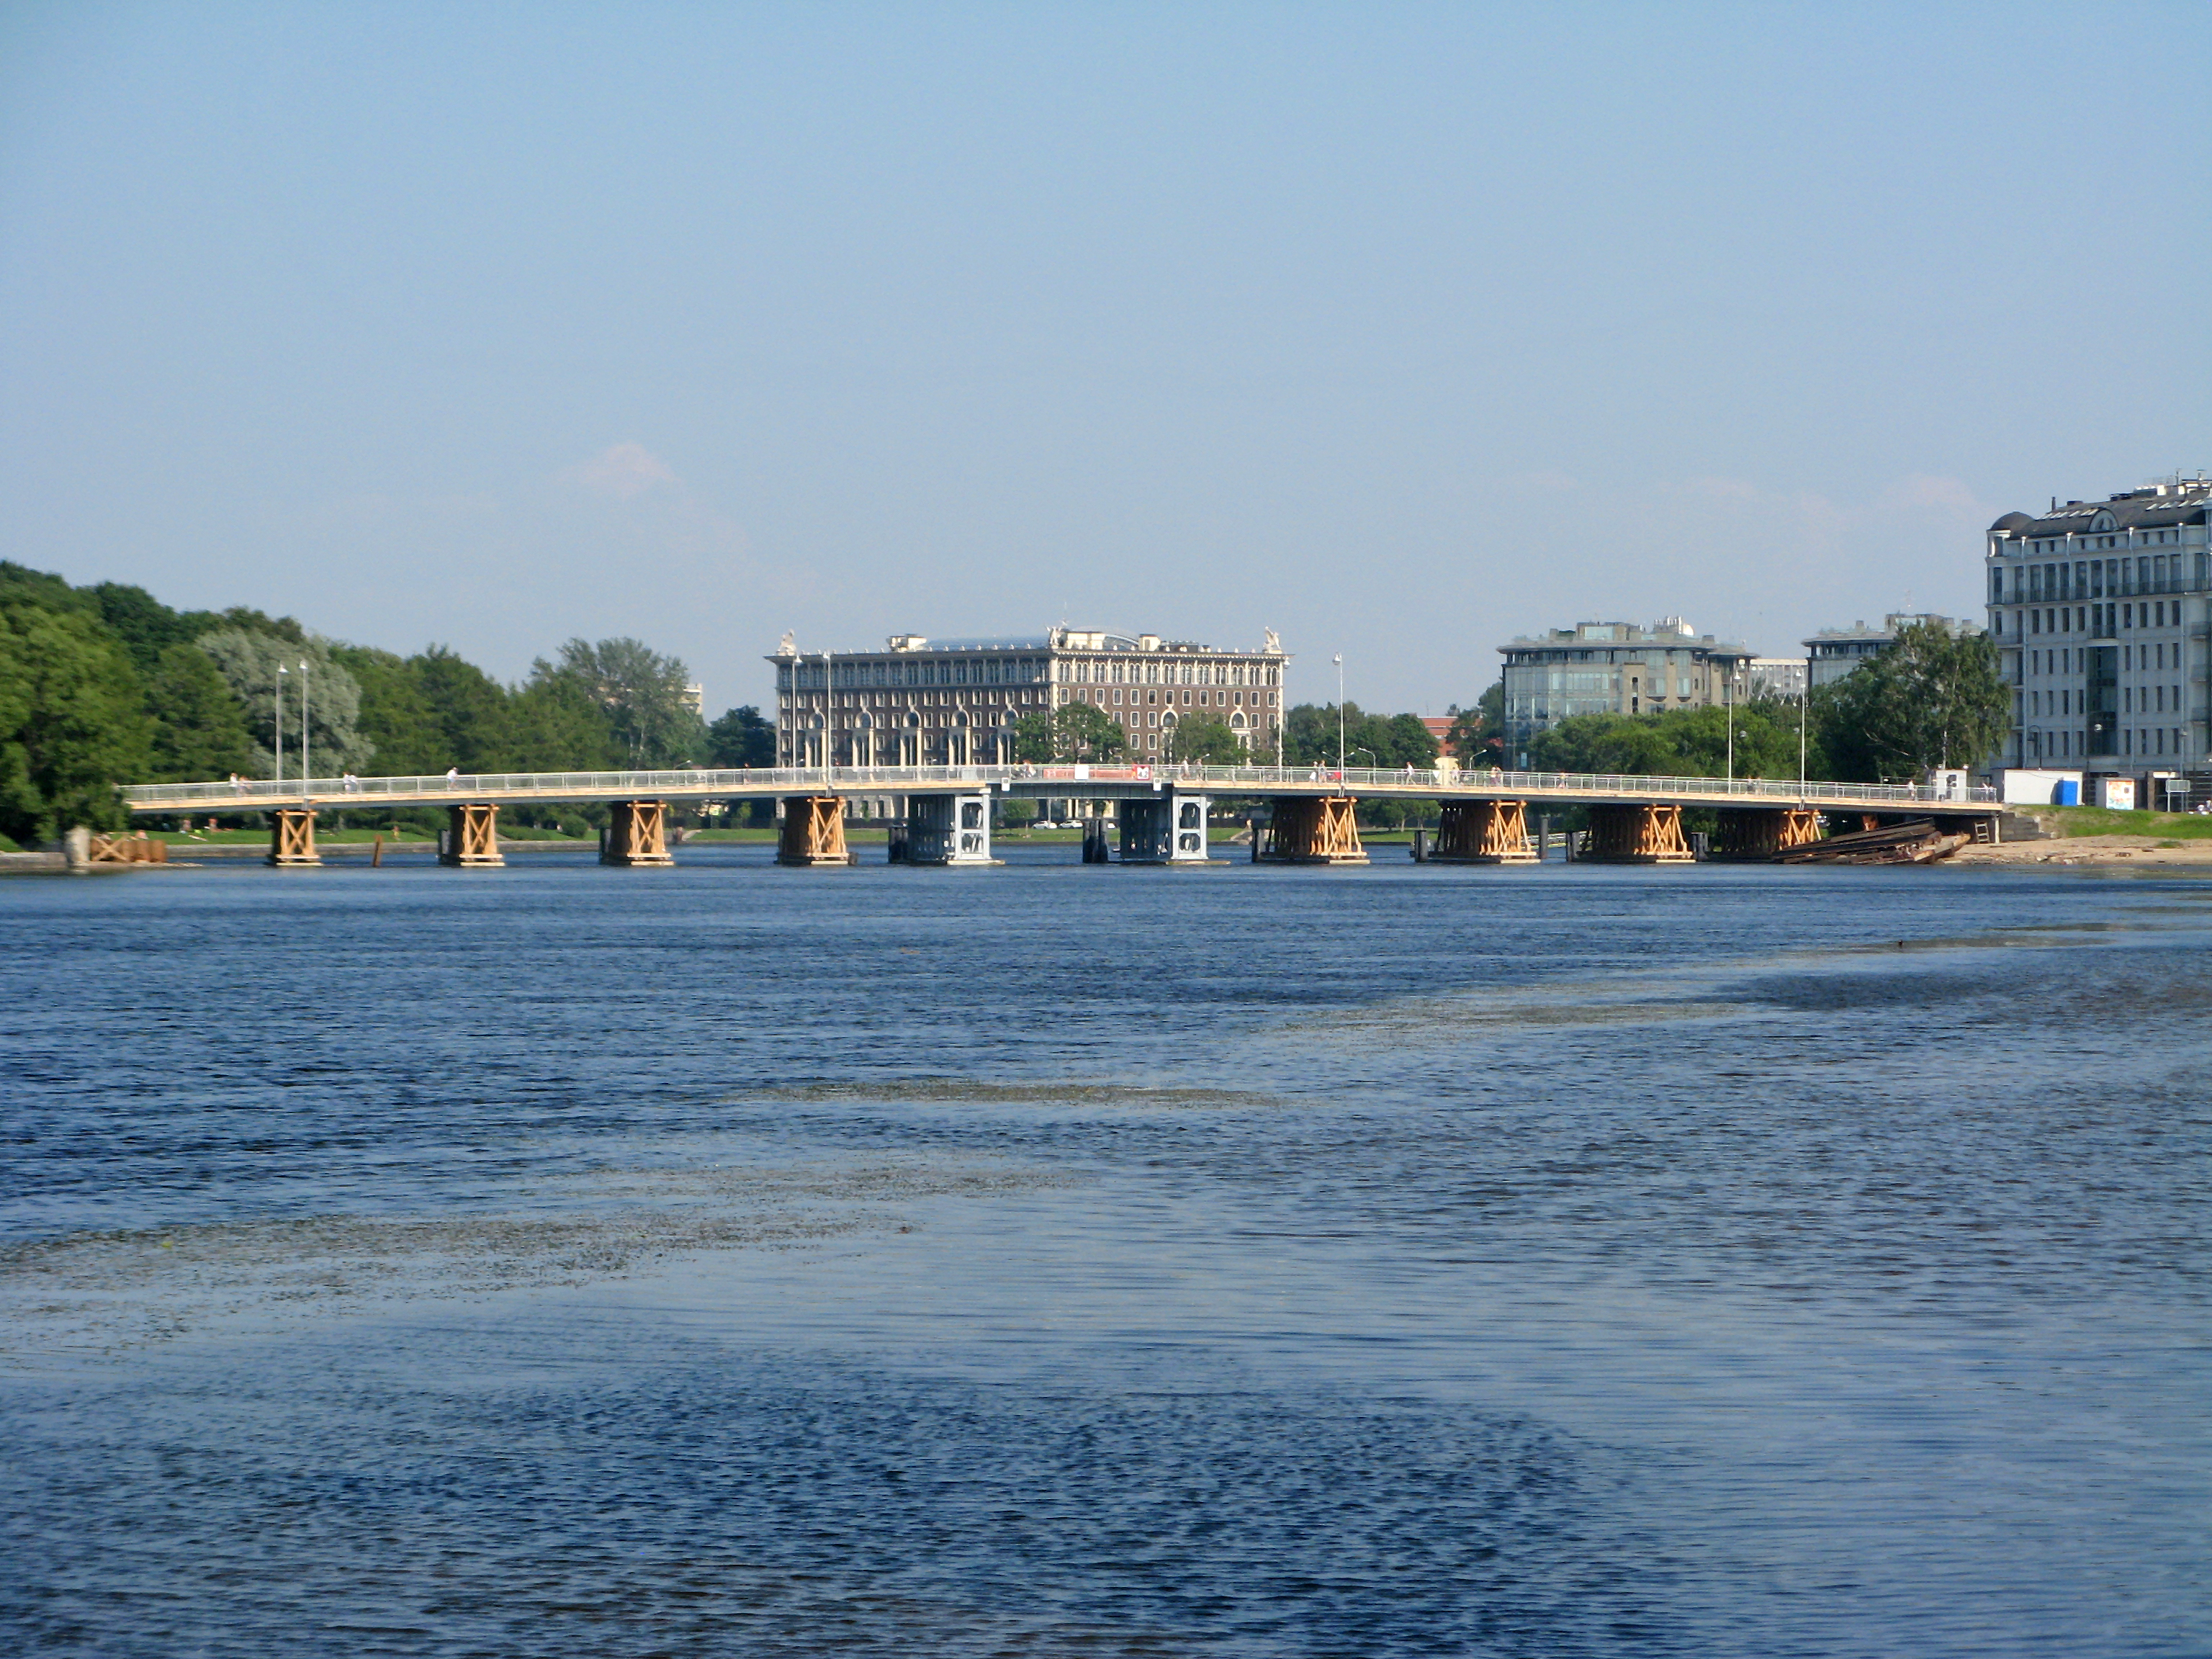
[281, 672]
[1339, 661]
[306, 768]
[829, 721]
[1804, 704]
[1727, 699]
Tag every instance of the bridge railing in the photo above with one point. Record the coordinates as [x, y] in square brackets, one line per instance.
[1492, 782]
[259, 793]
[263, 793]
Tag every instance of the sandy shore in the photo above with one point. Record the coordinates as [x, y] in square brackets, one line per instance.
[2139, 850]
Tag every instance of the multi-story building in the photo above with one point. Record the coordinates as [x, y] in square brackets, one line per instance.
[920, 701]
[2100, 611]
[1615, 668]
[1835, 652]
[1776, 676]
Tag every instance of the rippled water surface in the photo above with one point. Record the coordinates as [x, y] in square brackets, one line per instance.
[1055, 1259]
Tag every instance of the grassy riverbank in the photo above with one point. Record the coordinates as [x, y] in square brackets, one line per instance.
[2079, 823]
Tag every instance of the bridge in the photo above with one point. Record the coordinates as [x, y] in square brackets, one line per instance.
[1162, 811]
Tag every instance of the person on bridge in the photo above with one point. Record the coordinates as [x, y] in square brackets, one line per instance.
[452, 776]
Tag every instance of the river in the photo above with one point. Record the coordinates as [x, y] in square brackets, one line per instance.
[1054, 1259]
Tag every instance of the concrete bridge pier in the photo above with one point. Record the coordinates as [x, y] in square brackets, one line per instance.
[1483, 832]
[1313, 829]
[949, 830]
[814, 832]
[1752, 833]
[1642, 833]
[292, 837]
[637, 835]
[1167, 828]
[471, 837]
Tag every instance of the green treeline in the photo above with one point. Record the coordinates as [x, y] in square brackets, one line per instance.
[105, 684]
[1389, 741]
[1932, 698]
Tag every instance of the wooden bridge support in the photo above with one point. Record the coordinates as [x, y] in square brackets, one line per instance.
[1168, 829]
[814, 832]
[471, 837]
[1758, 833]
[292, 836]
[127, 849]
[1313, 829]
[949, 830]
[1641, 834]
[637, 835]
[1484, 832]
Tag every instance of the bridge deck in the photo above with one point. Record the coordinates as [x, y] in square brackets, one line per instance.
[1052, 781]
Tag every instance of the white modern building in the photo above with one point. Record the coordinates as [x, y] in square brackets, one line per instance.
[1782, 677]
[1615, 668]
[1835, 652]
[2099, 610]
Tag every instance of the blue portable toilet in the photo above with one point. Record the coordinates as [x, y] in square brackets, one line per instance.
[2069, 793]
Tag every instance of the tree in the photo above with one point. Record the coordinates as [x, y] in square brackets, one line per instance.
[468, 708]
[1604, 743]
[643, 693]
[249, 662]
[1390, 741]
[396, 720]
[1930, 698]
[42, 588]
[146, 627]
[1037, 738]
[555, 725]
[740, 739]
[72, 719]
[199, 725]
[1688, 743]
[1766, 740]
[1207, 740]
[1082, 732]
[1310, 734]
[1400, 740]
[1477, 735]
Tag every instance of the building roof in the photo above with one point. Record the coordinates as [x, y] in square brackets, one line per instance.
[1667, 632]
[2175, 501]
[1858, 631]
[1012, 642]
[1058, 639]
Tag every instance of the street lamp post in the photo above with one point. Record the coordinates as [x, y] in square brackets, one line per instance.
[1727, 700]
[281, 672]
[306, 769]
[829, 721]
[1339, 714]
[1804, 702]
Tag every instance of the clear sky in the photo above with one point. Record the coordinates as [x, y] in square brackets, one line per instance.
[1399, 329]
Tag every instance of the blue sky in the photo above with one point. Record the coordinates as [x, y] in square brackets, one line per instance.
[1400, 330]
